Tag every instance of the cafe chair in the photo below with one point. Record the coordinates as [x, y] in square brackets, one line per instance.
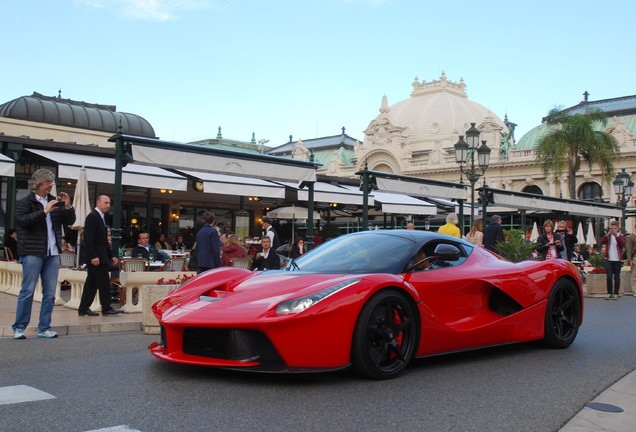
[245, 263]
[175, 264]
[135, 265]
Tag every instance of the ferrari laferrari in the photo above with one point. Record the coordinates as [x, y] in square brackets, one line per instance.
[371, 301]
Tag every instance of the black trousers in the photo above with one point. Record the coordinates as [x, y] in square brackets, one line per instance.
[98, 279]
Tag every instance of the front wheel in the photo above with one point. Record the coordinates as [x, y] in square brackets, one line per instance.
[563, 315]
[385, 336]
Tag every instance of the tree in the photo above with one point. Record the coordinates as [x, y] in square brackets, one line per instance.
[571, 138]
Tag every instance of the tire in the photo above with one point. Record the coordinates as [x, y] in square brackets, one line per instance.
[385, 336]
[563, 315]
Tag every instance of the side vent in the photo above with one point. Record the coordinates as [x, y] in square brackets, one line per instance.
[502, 304]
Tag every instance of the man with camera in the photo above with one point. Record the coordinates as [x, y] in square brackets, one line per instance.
[39, 217]
[568, 240]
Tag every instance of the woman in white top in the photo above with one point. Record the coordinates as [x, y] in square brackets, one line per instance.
[476, 233]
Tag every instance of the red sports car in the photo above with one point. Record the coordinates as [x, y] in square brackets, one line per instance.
[371, 301]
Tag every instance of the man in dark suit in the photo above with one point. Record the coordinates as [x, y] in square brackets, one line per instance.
[493, 233]
[100, 257]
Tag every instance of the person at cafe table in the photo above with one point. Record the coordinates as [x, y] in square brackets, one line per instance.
[266, 258]
[144, 250]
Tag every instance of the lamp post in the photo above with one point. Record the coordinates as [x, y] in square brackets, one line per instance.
[465, 155]
[623, 186]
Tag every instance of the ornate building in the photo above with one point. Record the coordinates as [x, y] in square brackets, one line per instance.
[416, 137]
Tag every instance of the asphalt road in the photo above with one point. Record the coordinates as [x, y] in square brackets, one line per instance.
[108, 380]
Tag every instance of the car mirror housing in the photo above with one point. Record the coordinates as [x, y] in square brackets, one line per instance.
[447, 252]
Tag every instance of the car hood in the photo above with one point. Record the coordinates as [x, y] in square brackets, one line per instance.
[211, 298]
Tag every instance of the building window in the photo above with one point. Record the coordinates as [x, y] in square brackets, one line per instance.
[589, 191]
[533, 189]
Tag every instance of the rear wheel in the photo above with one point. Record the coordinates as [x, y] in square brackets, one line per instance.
[385, 336]
[563, 315]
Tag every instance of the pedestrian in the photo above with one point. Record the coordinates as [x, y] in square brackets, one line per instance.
[613, 243]
[549, 245]
[630, 251]
[493, 233]
[298, 248]
[39, 217]
[450, 228]
[208, 244]
[266, 258]
[271, 232]
[410, 226]
[568, 239]
[232, 250]
[100, 257]
[476, 233]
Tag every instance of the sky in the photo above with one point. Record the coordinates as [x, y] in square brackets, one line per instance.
[307, 68]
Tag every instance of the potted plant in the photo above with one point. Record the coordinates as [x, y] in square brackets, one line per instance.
[515, 248]
[595, 280]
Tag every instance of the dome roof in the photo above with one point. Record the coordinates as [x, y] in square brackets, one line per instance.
[438, 111]
[67, 112]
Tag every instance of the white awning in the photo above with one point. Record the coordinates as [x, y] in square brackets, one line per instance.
[102, 170]
[396, 203]
[237, 185]
[330, 193]
[421, 188]
[403, 204]
[189, 157]
[7, 166]
[550, 204]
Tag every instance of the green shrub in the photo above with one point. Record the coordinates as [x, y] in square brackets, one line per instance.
[515, 248]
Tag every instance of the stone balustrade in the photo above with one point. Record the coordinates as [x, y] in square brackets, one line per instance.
[131, 282]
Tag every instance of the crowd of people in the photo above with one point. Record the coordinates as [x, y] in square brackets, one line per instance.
[559, 241]
[38, 242]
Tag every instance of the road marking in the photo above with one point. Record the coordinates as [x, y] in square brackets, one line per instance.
[21, 393]
[121, 428]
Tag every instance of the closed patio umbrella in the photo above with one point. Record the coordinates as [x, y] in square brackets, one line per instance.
[82, 206]
[535, 233]
[580, 236]
[590, 239]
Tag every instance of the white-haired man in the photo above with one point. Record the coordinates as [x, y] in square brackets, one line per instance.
[450, 227]
[39, 217]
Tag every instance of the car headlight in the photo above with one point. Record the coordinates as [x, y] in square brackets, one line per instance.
[300, 304]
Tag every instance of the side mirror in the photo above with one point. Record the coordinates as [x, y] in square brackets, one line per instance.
[446, 252]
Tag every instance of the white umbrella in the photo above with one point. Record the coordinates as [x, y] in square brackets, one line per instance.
[534, 235]
[82, 206]
[590, 239]
[580, 236]
[292, 213]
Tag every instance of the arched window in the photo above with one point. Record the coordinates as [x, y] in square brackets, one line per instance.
[588, 191]
[533, 189]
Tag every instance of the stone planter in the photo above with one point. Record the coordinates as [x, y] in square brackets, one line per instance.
[596, 284]
[151, 295]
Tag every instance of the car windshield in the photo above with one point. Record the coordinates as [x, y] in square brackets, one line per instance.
[360, 253]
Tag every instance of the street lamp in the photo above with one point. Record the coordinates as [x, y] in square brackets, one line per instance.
[465, 155]
[623, 186]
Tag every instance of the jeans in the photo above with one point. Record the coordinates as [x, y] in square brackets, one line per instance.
[32, 268]
[613, 269]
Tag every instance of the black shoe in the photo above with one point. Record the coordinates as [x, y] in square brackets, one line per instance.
[88, 313]
[111, 312]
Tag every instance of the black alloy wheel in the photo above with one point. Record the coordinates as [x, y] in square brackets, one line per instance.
[385, 336]
[563, 315]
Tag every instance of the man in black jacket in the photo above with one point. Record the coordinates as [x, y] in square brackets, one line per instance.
[99, 258]
[39, 218]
